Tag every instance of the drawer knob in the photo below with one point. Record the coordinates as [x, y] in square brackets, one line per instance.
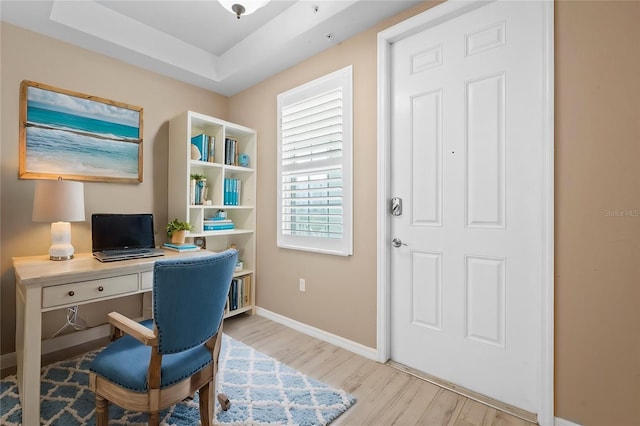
[100, 288]
[71, 293]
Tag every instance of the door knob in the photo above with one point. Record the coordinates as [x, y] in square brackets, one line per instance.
[397, 242]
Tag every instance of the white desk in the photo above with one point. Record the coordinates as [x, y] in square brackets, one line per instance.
[43, 285]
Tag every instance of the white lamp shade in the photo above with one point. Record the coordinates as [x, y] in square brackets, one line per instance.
[250, 6]
[58, 201]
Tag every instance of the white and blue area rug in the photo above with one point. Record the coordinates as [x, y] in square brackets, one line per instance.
[262, 391]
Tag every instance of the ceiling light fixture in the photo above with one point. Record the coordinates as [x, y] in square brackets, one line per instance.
[243, 7]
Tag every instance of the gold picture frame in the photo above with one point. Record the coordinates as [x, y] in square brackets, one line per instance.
[76, 136]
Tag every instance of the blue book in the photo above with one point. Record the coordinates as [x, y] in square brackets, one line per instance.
[185, 245]
[219, 227]
[225, 226]
[181, 247]
[233, 192]
[228, 192]
[235, 294]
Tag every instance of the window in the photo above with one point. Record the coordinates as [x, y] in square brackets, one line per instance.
[314, 165]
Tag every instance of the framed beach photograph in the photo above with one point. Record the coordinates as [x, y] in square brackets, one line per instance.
[76, 136]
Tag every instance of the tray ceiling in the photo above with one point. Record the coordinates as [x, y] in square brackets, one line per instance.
[199, 42]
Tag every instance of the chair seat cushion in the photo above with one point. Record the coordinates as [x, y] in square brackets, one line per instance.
[126, 362]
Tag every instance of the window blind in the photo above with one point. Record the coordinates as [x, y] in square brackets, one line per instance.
[311, 170]
[314, 146]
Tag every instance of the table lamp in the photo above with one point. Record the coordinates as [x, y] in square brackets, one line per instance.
[59, 202]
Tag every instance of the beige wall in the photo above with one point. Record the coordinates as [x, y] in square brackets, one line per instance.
[340, 294]
[29, 56]
[597, 167]
[597, 176]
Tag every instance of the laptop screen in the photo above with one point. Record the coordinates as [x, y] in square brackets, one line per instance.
[120, 231]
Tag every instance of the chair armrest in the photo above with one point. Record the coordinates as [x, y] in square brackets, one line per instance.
[132, 328]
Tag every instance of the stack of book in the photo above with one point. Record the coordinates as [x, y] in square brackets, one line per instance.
[231, 152]
[218, 224]
[206, 146]
[240, 292]
[181, 247]
[232, 189]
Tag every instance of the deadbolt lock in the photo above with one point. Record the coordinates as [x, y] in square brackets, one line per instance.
[396, 206]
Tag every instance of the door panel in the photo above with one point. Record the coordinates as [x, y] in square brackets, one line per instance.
[426, 148]
[466, 159]
[426, 287]
[485, 168]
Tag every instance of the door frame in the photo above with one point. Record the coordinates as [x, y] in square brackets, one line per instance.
[427, 19]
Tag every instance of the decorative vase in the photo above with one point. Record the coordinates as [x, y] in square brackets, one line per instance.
[195, 152]
[178, 237]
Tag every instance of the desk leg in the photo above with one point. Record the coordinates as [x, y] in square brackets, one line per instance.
[147, 305]
[28, 350]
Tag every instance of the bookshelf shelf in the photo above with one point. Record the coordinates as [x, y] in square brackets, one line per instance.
[237, 311]
[239, 169]
[219, 207]
[220, 233]
[242, 273]
[198, 163]
[226, 181]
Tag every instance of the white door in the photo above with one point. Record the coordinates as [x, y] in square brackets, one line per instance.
[466, 160]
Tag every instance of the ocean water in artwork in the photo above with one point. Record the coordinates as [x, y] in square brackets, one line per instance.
[71, 142]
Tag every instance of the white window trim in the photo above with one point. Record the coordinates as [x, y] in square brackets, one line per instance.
[343, 246]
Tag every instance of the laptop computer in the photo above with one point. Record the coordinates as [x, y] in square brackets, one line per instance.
[123, 236]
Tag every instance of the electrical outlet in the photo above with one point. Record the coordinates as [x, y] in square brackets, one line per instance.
[302, 285]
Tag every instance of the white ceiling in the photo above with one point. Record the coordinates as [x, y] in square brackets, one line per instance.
[199, 42]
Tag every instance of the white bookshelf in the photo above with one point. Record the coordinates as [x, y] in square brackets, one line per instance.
[181, 129]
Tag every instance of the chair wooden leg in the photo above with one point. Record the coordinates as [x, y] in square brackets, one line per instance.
[223, 399]
[154, 419]
[207, 406]
[102, 411]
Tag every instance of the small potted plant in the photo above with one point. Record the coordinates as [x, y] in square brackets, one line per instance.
[176, 231]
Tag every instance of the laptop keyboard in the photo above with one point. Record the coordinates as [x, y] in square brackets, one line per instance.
[129, 252]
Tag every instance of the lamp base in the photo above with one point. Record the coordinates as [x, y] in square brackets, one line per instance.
[61, 248]
[51, 257]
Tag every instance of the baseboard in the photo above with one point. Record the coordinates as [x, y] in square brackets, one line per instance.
[62, 342]
[79, 337]
[73, 339]
[8, 360]
[341, 342]
[562, 422]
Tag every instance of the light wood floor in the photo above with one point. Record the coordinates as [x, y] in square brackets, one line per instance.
[385, 395]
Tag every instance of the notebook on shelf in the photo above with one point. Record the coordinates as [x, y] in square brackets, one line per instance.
[123, 236]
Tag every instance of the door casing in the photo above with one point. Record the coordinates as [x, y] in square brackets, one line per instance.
[418, 23]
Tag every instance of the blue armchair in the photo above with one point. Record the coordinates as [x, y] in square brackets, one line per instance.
[160, 362]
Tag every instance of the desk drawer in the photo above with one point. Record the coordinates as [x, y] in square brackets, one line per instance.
[88, 290]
